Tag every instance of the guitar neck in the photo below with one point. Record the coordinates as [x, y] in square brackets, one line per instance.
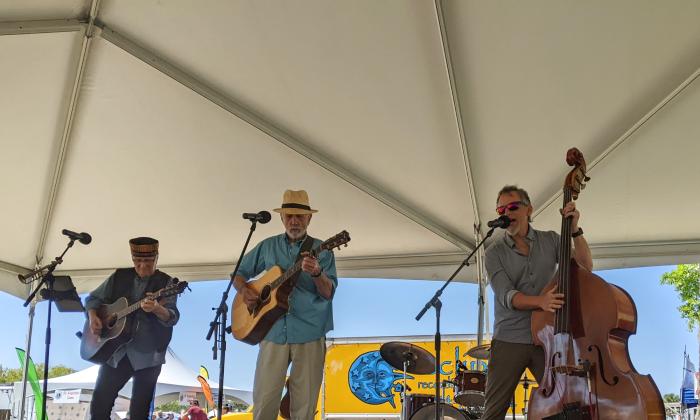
[292, 271]
[130, 309]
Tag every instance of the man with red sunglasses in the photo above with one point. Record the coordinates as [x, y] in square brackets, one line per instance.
[519, 265]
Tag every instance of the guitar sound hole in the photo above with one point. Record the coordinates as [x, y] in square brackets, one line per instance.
[265, 294]
[110, 322]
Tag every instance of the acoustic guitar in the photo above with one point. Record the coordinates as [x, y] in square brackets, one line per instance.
[117, 325]
[250, 324]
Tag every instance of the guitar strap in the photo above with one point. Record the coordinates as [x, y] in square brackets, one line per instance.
[305, 247]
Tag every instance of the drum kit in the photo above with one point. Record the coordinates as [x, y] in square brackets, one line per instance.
[469, 385]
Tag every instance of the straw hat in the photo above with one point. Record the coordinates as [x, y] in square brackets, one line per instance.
[295, 202]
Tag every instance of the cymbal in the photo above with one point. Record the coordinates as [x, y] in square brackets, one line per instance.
[418, 360]
[480, 352]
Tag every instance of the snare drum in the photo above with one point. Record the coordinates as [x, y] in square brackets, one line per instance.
[470, 386]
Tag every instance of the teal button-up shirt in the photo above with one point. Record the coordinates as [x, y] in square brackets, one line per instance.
[310, 315]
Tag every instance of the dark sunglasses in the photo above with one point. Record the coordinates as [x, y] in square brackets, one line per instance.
[515, 205]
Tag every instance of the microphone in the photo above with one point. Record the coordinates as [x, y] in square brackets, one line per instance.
[83, 237]
[501, 222]
[261, 217]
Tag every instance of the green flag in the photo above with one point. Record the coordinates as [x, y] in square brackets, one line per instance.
[33, 380]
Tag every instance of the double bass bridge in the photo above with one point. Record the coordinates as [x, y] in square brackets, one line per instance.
[572, 370]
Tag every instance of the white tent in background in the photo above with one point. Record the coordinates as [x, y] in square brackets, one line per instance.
[175, 377]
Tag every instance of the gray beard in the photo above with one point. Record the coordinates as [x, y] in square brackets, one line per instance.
[298, 236]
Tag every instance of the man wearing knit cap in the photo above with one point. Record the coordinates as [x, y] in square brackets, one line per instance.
[142, 357]
[299, 337]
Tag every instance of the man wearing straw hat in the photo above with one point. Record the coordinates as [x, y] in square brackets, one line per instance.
[142, 357]
[299, 336]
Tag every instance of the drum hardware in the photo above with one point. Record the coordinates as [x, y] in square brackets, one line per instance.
[526, 384]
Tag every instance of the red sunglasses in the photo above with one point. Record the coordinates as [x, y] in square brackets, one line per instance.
[515, 205]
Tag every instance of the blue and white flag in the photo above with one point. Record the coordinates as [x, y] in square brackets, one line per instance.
[688, 397]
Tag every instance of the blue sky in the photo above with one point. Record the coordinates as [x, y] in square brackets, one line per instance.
[370, 307]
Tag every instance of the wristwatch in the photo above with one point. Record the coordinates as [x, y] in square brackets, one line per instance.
[318, 275]
[579, 232]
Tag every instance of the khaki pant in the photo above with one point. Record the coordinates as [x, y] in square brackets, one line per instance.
[307, 361]
[506, 366]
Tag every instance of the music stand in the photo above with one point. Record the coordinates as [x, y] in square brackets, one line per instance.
[65, 296]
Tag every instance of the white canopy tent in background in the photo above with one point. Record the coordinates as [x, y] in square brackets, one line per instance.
[175, 377]
[401, 118]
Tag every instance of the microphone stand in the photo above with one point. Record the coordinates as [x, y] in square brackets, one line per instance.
[437, 304]
[218, 325]
[47, 279]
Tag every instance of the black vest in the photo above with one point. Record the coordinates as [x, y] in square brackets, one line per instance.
[148, 324]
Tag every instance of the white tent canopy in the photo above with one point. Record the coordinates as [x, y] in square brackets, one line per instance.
[175, 377]
[401, 118]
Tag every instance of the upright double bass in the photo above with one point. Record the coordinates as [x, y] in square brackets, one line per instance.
[588, 371]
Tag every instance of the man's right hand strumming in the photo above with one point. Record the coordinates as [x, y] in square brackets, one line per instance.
[95, 323]
[250, 296]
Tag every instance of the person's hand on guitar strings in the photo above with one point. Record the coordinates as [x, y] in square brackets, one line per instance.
[310, 264]
[250, 295]
[148, 304]
[95, 322]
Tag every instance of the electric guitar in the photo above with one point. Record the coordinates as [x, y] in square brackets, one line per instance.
[251, 324]
[117, 325]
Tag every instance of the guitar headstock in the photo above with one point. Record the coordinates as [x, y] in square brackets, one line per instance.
[336, 241]
[577, 178]
[175, 288]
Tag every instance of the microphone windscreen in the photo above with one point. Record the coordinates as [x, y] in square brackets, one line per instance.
[86, 239]
[265, 216]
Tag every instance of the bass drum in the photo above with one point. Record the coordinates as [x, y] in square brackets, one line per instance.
[427, 412]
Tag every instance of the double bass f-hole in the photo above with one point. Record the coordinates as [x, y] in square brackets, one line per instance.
[601, 366]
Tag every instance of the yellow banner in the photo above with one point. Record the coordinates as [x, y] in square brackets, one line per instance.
[358, 380]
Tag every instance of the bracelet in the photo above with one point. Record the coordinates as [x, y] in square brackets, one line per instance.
[318, 275]
[579, 232]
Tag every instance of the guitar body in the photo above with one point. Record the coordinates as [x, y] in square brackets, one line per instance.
[251, 325]
[98, 348]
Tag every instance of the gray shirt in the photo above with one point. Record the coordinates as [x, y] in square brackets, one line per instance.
[511, 272]
[139, 360]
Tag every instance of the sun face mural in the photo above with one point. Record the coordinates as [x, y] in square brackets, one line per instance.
[372, 379]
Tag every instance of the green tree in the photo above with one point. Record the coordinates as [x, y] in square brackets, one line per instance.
[237, 407]
[671, 398]
[9, 375]
[173, 406]
[686, 280]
